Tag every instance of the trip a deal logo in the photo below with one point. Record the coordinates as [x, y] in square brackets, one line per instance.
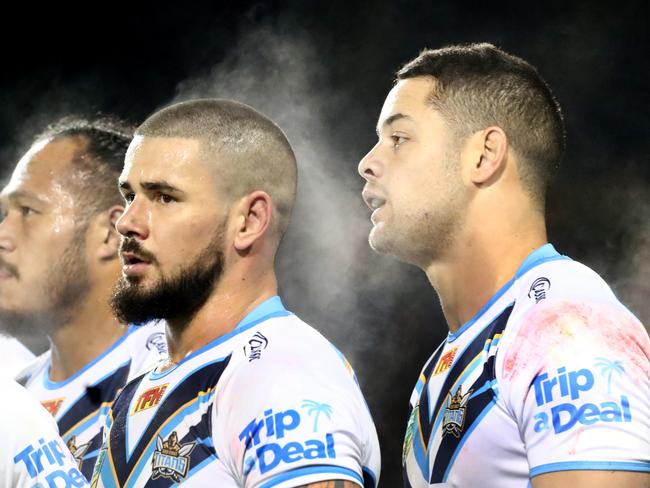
[288, 436]
[564, 391]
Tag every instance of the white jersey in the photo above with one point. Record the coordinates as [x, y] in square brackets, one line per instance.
[552, 374]
[271, 403]
[14, 356]
[32, 455]
[80, 403]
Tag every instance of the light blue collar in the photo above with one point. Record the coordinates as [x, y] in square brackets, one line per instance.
[541, 255]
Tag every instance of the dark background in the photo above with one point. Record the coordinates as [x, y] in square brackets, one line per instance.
[322, 70]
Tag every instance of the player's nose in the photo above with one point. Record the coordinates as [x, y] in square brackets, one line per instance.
[371, 166]
[133, 222]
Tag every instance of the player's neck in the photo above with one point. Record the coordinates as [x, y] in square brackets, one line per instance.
[234, 297]
[91, 331]
[484, 258]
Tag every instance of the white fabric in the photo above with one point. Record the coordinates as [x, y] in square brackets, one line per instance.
[566, 385]
[285, 411]
[31, 452]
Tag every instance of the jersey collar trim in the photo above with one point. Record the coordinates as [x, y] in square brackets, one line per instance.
[268, 309]
[540, 255]
[53, 385]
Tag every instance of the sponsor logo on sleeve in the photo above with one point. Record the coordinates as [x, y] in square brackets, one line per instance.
[47, 461]
[265, 443]
[453, 419]
[539, 288]
[53, 406]
[171, 459]
[149, 398]
[445, 361]
[563, 390]
[256, 344]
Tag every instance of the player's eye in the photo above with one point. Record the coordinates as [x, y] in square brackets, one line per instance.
[26, 211]
[397, 140]
[165, 198]
[128, 197]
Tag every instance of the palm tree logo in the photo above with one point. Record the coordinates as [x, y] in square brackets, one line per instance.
[317, 409]
[608, 368]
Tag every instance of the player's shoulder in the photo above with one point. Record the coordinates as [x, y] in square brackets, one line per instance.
[287, 345]
[21, 403]
[35, 368]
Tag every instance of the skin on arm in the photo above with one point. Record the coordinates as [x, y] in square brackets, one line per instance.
[592, 479]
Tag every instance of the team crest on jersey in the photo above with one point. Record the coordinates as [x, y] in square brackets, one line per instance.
[171, 459]
[53, 406]
[444, 363]
[453, 419]
[78, 452]
[149, 398]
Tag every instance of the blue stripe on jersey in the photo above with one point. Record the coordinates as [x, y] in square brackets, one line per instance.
[53, 385]
[541, 255]
[334, 471]
[184, 399]
[201, 455]
[130, 448]
[421, 430]
[477, 404]
[591, 466]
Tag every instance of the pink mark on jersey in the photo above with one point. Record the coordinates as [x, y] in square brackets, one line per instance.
[568, 329]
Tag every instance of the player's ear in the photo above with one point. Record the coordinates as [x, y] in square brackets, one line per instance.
[254, 213]
[109, 238]
[489, 158]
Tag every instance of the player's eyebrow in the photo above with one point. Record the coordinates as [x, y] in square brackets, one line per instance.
[160, 186]
[389, 120]
[22, 194]
[151, 186]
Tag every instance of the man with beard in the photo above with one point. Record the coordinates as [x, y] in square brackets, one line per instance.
[251, 396]
[544, 378]
[58, 266]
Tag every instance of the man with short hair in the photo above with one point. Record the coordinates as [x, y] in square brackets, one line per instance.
[58, 266]
[544, 378]
[251, 396]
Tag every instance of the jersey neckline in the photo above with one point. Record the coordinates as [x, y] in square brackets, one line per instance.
[270, 308]
[539, 256]
[54, 385]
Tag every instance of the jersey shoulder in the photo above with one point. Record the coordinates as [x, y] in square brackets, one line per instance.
[37, 367]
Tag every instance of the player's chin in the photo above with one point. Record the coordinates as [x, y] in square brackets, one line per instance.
[379, 240]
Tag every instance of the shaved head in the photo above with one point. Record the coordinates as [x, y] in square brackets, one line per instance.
[248, 151]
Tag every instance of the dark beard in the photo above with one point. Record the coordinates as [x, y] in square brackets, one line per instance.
[66, 285]
[176, 298]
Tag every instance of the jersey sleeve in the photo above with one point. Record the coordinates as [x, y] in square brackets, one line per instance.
[32, 452]
[293, 414]
[577, 380]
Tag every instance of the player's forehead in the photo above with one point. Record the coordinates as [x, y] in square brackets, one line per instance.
[162, 158]
[45, 167]
[407, 101]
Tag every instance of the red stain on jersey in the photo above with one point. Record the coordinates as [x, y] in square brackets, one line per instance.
[565, 329]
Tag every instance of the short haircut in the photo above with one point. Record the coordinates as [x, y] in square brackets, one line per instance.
[479, 85]
[98, 163]
[249, 151]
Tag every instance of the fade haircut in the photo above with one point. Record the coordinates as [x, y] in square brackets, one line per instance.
[479, 85]
[249, 151]
[98, 164]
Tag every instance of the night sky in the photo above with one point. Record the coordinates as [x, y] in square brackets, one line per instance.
[322, 70]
